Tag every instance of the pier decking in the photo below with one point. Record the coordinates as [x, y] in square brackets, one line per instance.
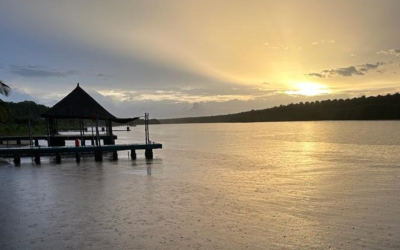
[61, 138]
[36, 152]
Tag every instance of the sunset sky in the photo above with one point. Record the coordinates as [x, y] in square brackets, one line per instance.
[191, 58]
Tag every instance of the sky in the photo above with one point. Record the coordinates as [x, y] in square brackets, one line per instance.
[194, 58]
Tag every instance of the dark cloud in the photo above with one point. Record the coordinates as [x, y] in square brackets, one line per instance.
[39, 71]
[350, 71]
[319, 75]
[197, 107]
[369, 66]
[103, 76]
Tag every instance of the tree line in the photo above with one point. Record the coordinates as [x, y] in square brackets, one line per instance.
[362, 108]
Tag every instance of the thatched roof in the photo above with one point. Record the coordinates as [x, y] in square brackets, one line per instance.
[79, 104]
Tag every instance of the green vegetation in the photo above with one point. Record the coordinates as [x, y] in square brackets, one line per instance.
[4, 90]
[362, 108]
[18, 115]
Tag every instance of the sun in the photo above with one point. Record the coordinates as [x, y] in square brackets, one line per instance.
[309, 89]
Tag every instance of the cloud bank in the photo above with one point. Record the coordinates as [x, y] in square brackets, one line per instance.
[390, 52]
[358, 70]
[39, 71]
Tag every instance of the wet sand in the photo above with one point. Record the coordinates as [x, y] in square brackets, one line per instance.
[216, 186]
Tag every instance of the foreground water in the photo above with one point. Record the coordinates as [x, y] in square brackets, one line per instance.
[299, 185]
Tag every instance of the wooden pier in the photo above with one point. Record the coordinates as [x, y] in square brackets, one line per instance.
[77, 105]
[59, 138]
[98, 151]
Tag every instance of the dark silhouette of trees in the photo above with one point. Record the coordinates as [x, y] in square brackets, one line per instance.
[4, 90]
[20, 112]
[362, 108]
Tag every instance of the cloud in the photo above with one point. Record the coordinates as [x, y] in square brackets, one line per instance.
[178, 97]
[319, 75]
[172, 96]
[39, 71]
[369, 66]
[197, 107]
[281, 47]
[390, 52]
[19, 95]
[103, 76]
[117, 94]
[350, 71]
[322, 42]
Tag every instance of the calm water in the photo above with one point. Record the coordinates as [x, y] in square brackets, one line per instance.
[299, 185]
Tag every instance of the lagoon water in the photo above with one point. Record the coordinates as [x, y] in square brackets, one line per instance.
[294, 185]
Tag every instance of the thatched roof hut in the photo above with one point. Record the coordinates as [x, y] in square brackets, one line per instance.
[80, 105]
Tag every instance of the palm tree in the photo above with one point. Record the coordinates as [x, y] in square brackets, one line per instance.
[4, 90]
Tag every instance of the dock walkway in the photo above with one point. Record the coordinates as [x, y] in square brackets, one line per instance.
[62, 138]
[36, 152]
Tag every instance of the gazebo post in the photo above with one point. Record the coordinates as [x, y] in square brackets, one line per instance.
[83, 127]
[97, 132]
[47, 131]
[111, 132]
[50, 141]
[55, 132]
[80, 131]
[93, 137]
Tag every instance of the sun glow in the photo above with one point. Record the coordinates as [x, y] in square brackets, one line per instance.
[309, 89]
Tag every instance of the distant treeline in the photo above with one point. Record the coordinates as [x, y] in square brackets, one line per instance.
[141, 122]
[20, 112]
[363, 108]
[18, 116]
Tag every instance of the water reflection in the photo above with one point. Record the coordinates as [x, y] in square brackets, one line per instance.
[149, 163]
[216, 186]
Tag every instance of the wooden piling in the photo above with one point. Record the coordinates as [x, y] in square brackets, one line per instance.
[78, 157]
[17, 159]
[58, 158]
[133, 154]
[37, 159]
[115, 155]
[148, 153]
[98, 155]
